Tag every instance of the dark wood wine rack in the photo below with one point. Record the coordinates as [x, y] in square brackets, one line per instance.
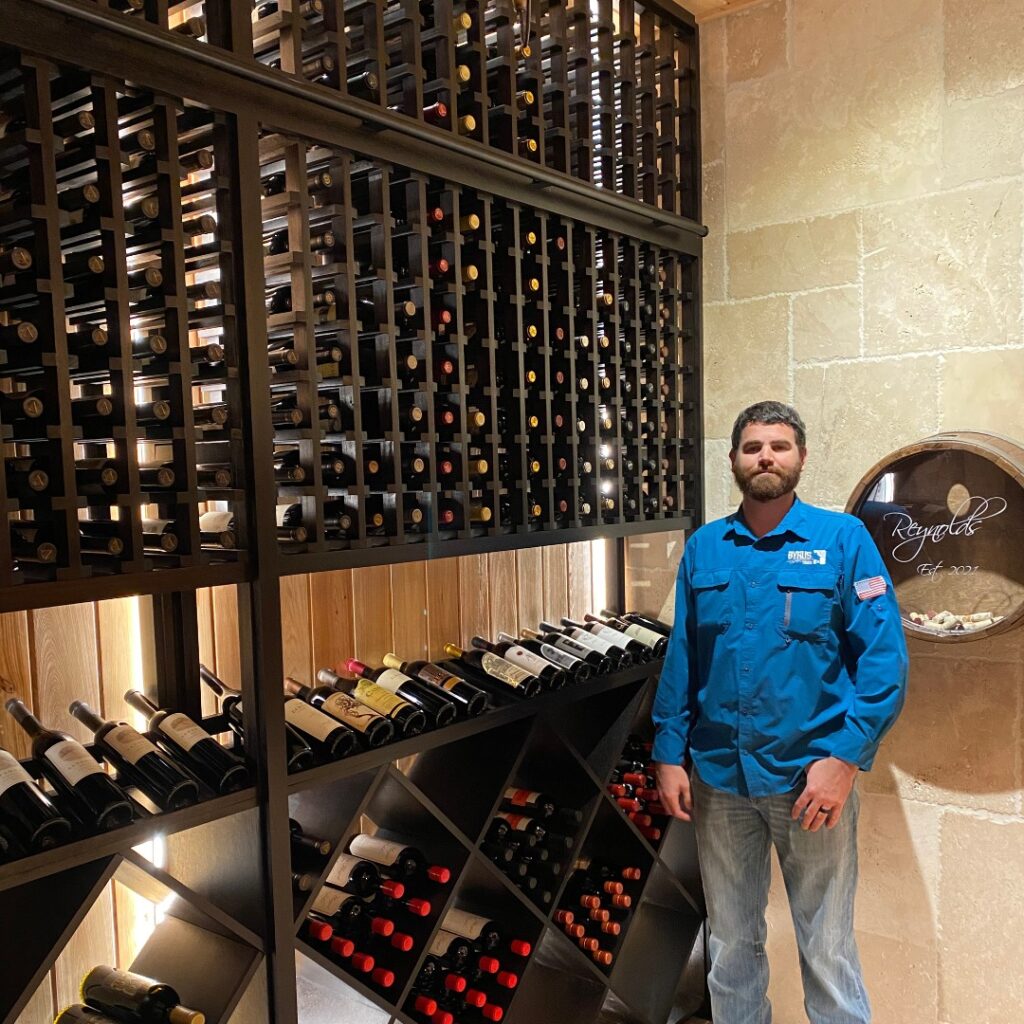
[615, 174]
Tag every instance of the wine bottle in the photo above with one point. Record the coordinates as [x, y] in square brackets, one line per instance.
[480, 930]
[398, 859]
[325, 734]
[73, 772]
[577, 669]
[374, 729]
[221, 770]
[619, 655]
[487, 666]
[452, 950]
[656, 625]
[138, 761]
[408, 719]
[436, 706]
[655, 642]
[134, 997]
[26, 810]
[597, 661]
[355, 875]
[639, 652]
[550, 676]
[472, 700]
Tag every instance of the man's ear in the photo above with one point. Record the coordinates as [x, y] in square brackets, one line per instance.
[803, 457]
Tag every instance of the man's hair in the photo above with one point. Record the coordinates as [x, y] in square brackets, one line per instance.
[769, 412]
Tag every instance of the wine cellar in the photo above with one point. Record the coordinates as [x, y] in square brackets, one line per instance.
[341, 334]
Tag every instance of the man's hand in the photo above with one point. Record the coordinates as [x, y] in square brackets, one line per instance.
[829, 783]
[674, 790]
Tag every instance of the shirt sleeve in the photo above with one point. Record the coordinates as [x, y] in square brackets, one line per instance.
[674, 704]
[874, 633]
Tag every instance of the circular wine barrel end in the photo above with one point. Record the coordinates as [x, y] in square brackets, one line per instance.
[947, 515]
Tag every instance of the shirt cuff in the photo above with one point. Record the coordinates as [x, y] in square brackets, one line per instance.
[850, 746]
[671, 740]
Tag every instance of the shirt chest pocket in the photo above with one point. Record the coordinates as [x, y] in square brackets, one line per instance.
[807, 597]
[712, 599]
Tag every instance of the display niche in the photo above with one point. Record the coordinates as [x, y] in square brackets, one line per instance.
[947, 514]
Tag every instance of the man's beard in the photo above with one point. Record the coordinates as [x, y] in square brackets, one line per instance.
[766, 485]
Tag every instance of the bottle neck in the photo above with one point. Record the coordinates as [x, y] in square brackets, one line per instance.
[141, 703]
[294, 688]
[218, 686]
[21, 714]
[85, 715]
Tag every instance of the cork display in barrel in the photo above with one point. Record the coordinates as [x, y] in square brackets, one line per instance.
[947, 514]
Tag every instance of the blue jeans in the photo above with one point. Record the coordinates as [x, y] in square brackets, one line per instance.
[734, 839]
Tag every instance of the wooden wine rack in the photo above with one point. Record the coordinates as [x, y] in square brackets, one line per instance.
[615, 174]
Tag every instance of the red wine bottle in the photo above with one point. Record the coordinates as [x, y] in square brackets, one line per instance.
[221, 770]
[554, 638]
[79, 1013]
[438, 708]
[472, 700]
[620, 657]
[640, 652]
[324, 734]
[656, 625]
[299, 753]
[138, 761]
[480, 930]
[373, 728]
[487, 667]
[409, 719]
[74, 772]
[398, 859]
[134, 997]
[26, 810]
[529, 801]
[355, 875]
[549, 675]
[577, 669]
[452, 950]
[303, 843]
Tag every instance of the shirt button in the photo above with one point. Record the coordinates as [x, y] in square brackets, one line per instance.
[753, 583]
[749, 625]
[746, 668]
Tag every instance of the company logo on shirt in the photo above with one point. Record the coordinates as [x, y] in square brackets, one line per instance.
[815, 557]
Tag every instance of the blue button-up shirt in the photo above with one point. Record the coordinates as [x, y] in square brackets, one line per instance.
[774, 660]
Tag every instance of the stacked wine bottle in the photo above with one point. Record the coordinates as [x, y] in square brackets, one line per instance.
[596, 905]
[469, 70]
[112, 996]
[172, 765]
[121, 446]
[634, 788]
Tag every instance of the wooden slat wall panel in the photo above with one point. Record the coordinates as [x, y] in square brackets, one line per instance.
[121, 661]
[579, 578]
[295, 632]
[443, 602]
[530, 587]
[225, 633]
[474, 597]
[92, 943]
[207, 644]
[15, 678]
[65, 664]
[134, 921]
[372, 617]
[40, 1009]
[409, 604]
[556, 582]
[501, 567]
[333, 624]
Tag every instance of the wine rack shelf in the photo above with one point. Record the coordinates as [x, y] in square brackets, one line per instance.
[331, 284]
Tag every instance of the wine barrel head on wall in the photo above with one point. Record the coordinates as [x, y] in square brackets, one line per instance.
[947, 514]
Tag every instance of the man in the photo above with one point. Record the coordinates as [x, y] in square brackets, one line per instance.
[786, 666]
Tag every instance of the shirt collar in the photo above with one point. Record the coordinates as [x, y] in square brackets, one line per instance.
[793, 522]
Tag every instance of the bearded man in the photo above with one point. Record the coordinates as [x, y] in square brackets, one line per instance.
[786, 667]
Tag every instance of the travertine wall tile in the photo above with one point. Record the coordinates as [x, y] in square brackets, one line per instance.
[713, 215]
[712, 53]
[983, 391]
[721, 495]
[981, 909]
[983, 46]
[832, 137]
[826, 324]
[746, 359]
[856, 413]
[756, 42]
[712, 123]
[815, 253]
[956, 741]
[983, 138]
[944, 271]
[901, 977]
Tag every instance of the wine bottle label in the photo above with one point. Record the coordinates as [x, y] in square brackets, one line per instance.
[504, 670]
[592, 640]
[328, 901]
[131, 745]
[11, 772]
[469, 926]
[522, 797]
[182, 730]
[341, 873]
[72, 760]
[379, 699]
[348, 710]
[560, 658]
[613, 636]
[533, 663]
[566, 643]
[308, 720]
[380, 851]
[433, 674]
[441, 941]
[643, 634]
[217, 522]
[516, 822]
[391, 679]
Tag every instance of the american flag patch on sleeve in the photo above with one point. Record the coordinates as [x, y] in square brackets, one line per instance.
[870, 587]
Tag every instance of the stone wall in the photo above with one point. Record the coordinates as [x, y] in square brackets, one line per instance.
[863, 191]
